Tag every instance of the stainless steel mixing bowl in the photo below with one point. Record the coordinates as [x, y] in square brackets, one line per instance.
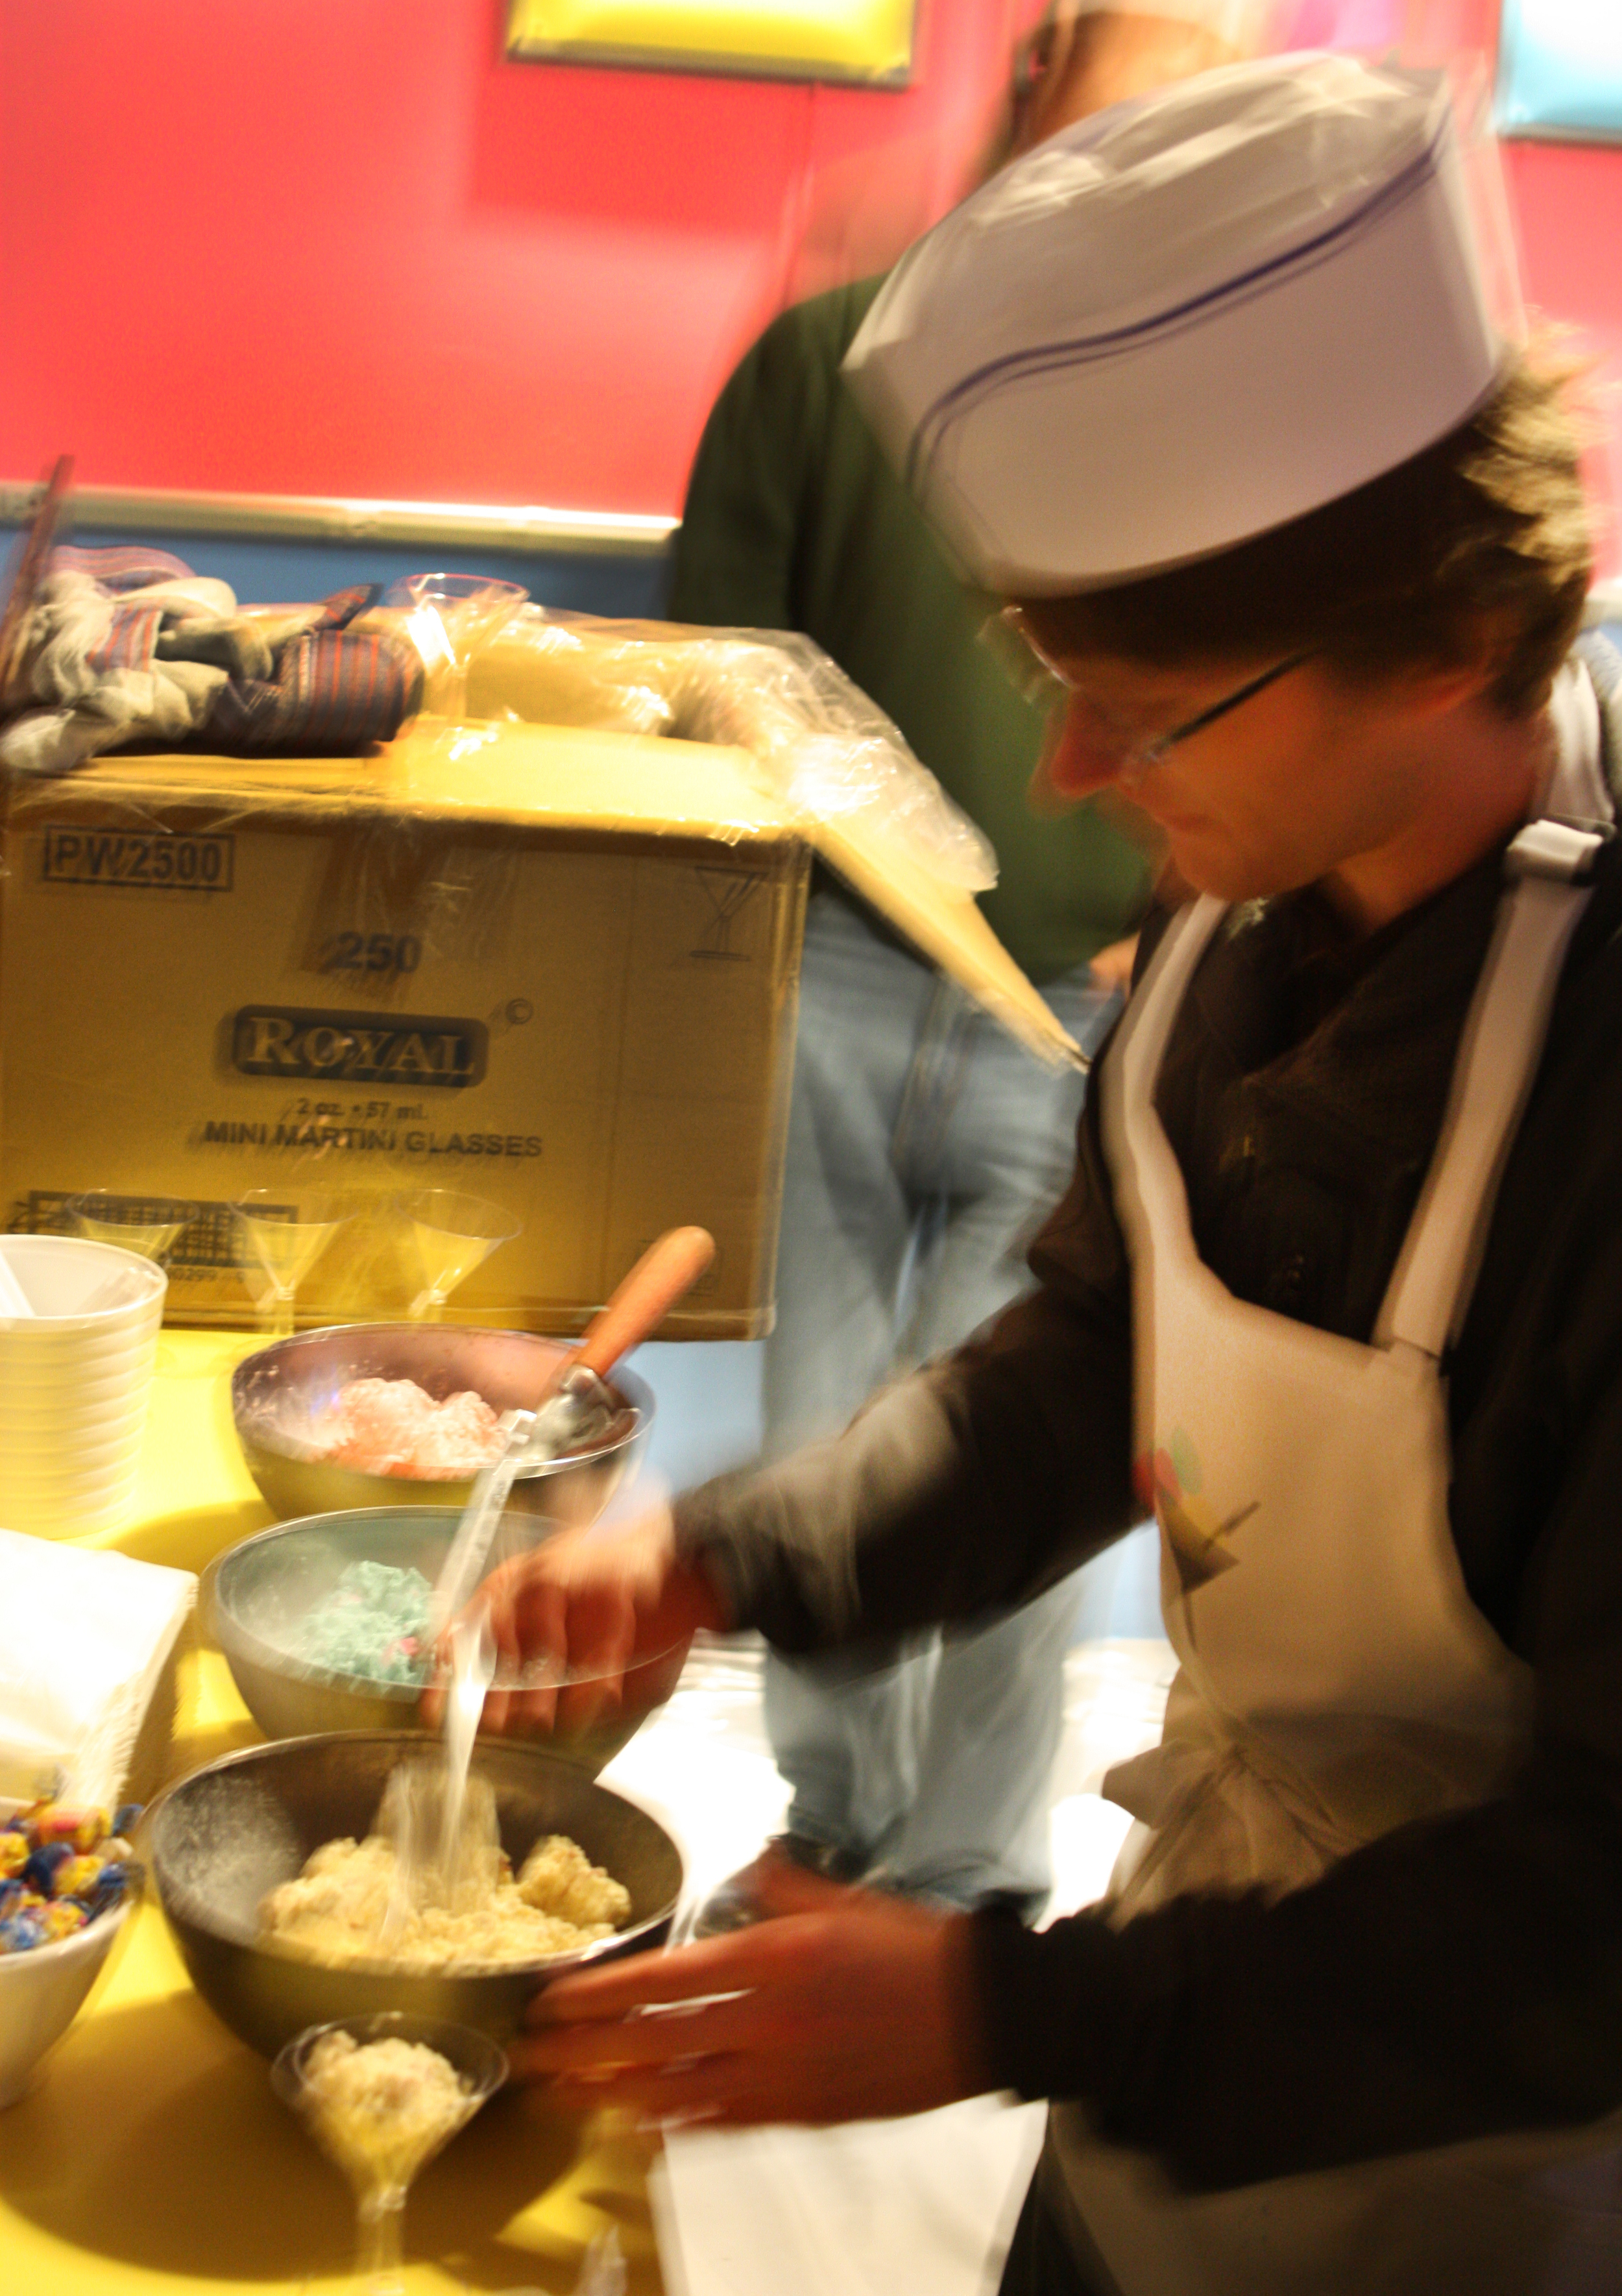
[218, 1840]
[280, 1395]
[260, 1590]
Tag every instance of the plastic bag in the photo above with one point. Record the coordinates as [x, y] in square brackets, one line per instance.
[820, 747]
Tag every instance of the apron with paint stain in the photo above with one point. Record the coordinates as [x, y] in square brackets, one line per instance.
[1335, 1680]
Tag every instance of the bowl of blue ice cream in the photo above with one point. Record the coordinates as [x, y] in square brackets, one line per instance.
[324, 1625]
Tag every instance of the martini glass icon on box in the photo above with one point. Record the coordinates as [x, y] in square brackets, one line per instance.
[150, 1224]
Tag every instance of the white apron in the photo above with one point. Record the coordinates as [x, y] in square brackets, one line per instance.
[1335, 1680]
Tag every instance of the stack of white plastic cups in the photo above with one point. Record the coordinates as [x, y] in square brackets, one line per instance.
[75, 1377]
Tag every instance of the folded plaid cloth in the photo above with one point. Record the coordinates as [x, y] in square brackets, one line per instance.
[122, 566]
[335, 691]
[130, 647]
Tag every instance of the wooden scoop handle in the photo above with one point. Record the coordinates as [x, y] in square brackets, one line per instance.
[666, 1270]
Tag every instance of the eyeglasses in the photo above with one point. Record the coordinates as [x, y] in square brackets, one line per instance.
[1130, 754]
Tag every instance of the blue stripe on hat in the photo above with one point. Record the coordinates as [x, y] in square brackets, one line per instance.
[962, 396]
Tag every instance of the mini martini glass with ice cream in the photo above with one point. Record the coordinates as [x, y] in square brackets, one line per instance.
[381, 2096]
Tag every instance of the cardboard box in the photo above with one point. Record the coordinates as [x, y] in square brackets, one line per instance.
[551, 968]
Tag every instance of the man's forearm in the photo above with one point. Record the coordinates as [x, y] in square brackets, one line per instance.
[964, 1490]
[1453, 1980]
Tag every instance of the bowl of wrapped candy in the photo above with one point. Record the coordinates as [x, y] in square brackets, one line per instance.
[367, 1415]
[67, 1883]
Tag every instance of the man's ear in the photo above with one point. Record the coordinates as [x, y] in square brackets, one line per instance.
[1433, 690]
[1427, 694]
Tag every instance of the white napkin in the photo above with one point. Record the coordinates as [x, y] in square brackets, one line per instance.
[921, 2206]
[83, 1636]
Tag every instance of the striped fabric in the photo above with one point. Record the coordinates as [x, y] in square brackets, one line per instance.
[335, 692]
[121, 566]
[130, 638]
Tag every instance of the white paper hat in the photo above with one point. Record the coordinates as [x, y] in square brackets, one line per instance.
[1184, 321]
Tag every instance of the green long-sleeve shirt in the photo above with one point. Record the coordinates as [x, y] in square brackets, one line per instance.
[795, 521]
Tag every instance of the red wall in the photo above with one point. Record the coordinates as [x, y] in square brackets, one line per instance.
[343, 247]
[1568, 203]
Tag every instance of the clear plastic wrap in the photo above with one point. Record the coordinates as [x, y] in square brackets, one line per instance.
[820, 748]
[542, 954]
[448, 618]
[123, 648]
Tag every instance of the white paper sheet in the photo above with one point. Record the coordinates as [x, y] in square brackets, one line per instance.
[921, 2207]
[83, 1635]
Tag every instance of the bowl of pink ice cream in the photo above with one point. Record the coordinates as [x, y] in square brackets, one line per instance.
[370, 1414]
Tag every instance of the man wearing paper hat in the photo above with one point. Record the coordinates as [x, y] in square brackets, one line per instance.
[1338, 1285]
[924, 1145]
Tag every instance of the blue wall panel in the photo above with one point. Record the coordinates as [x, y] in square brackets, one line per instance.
[263, 569]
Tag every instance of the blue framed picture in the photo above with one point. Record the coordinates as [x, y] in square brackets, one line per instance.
[1560, 71]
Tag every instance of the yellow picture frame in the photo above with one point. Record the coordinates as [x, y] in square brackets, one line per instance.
[866, 41]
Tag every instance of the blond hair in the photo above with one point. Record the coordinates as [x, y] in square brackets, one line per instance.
[1481, 546]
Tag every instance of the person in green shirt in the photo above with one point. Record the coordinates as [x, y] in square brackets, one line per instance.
[924, 1145]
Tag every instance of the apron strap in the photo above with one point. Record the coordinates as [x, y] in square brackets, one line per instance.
[1547, 867]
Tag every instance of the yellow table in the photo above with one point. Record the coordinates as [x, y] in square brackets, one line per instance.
[153, 2156]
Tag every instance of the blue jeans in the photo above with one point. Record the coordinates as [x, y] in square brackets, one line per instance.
[925, 1148]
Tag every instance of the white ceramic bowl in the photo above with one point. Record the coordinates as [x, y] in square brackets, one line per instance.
[68, 1512]
[67, 1455]
[42, 1992]
[68, 1449]
[56, 1442]
[47, 1358]
[86, 1415]
[94, 1419]
[80, 1519]
[93, 1481]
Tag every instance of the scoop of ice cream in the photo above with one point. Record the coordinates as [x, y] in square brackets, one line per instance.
[374, 1623]
[382, 2108]
[394, 1427]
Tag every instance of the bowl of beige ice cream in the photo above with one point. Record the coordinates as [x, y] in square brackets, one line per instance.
[275, 1878]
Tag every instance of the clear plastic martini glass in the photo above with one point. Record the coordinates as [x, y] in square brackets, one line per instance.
[380, 2146]
[149, 1225]
[454, 1234]
[285, 1238]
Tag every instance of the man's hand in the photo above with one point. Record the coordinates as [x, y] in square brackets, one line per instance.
[601, 1601]
[848, 2006]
